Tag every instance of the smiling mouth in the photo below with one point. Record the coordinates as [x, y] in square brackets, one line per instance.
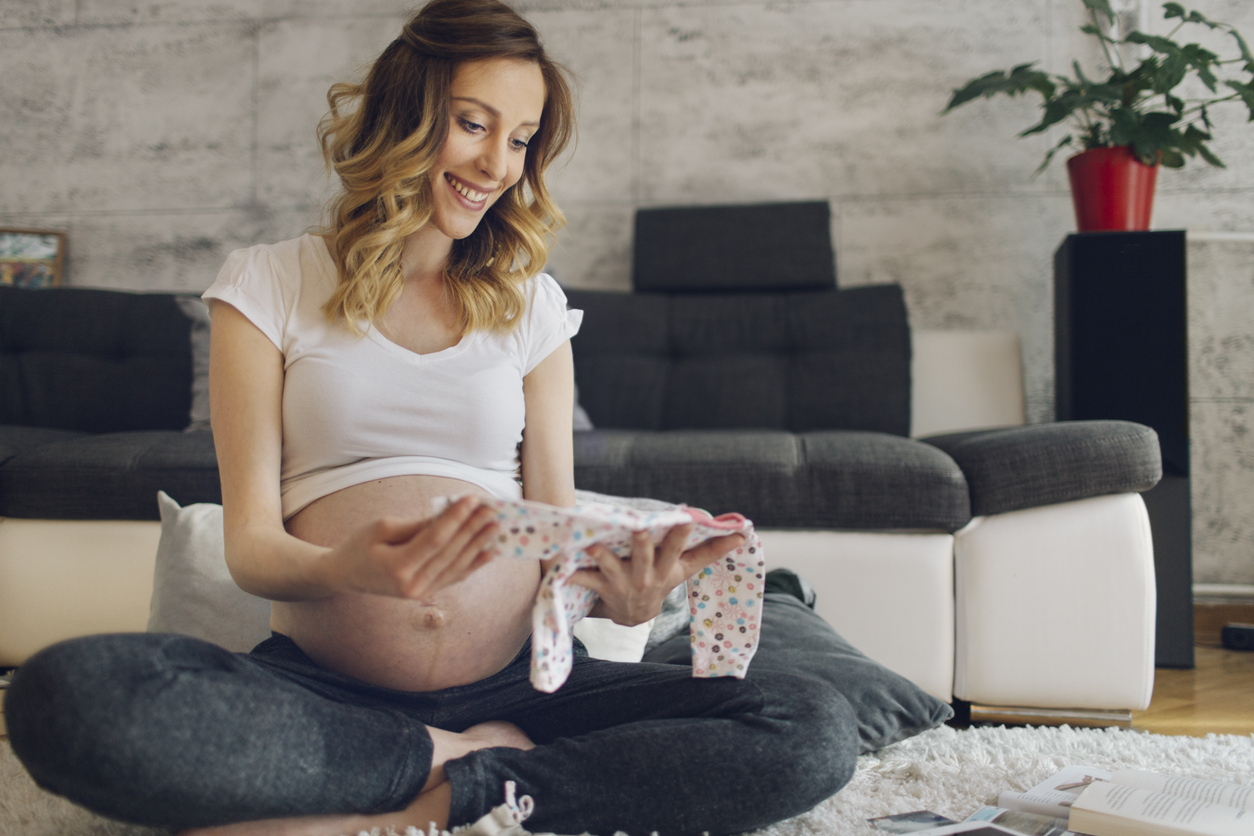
[465, 191]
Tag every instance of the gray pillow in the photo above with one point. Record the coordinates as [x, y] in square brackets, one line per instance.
[796, 640]
[196, 311]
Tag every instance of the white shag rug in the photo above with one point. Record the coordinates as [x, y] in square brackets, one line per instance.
[945, 770]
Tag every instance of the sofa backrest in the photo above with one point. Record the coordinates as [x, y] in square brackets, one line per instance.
[800, 361]
[94, 360]
[739, 248]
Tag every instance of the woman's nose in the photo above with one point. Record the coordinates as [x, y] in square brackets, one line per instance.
[493, 161]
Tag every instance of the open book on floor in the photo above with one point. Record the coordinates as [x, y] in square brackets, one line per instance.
[1097, 802]
[1137, 803]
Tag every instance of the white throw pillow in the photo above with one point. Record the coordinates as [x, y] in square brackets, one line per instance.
[193, 593]
[192, 590]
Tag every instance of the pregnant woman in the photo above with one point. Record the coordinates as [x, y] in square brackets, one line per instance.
[413, 350]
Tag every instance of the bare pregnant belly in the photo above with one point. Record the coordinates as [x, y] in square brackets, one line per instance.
[461, 634]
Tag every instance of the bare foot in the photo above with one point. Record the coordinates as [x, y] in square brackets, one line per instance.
[449, 746]
[498, 733]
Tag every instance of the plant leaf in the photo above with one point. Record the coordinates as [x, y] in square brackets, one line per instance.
[1155, 42]
[1172, 73]
[1170, 158]
[1057, 110]
[1171, 10]
[1101, 7]
[1066, 140]
[1245, 49]
[1210, 157]
[1246, 91]
[1019, 80]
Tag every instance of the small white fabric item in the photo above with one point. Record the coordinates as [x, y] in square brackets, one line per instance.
[192, 590]
[724, 598]
[193, 593]
[614, 642]
[356, 409]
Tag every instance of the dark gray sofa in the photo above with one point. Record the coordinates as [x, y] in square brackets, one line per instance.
[737, 378]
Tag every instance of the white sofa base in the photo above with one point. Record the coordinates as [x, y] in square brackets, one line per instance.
[1050, 607]
[890, 595]
[1056, 606]
[65, 578]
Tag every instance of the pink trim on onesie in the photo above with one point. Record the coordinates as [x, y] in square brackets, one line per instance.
[724, 598]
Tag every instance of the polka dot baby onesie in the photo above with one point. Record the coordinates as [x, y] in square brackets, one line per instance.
[724, 598]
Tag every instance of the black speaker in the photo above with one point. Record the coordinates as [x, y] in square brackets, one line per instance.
[1120, 351]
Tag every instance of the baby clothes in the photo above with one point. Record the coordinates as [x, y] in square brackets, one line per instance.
[724, 598]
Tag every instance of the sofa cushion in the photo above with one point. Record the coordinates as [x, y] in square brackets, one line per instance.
[788, 361]
[826, 479]
[113, 476]
[15, 440]
[93, 360]
[771, 246]
[1023, 467]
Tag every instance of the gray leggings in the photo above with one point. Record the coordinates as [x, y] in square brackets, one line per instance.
[170, 731]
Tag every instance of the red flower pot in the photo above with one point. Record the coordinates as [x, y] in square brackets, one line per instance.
[1111, 189]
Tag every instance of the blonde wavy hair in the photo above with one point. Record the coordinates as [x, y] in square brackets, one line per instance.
[383, 136]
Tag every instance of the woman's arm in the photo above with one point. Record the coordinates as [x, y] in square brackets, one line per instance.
[402, 558]
[548, 457]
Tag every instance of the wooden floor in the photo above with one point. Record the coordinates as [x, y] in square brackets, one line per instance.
[1216, 696]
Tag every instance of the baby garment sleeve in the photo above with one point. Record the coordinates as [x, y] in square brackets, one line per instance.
[546, 323]
[252, 282]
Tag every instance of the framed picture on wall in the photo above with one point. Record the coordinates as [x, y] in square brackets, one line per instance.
[31, 258]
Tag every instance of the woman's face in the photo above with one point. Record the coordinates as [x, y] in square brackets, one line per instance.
[494, 112]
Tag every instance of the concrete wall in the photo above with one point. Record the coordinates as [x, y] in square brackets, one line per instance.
[164, 133]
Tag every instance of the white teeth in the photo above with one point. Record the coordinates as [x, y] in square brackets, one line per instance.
[468, 193]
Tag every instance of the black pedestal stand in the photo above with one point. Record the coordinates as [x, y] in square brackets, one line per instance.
[1120, 352]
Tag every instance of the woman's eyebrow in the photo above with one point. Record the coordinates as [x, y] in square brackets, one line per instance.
[490, 109]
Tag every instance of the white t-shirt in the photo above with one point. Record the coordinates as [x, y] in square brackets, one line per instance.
[363, 408]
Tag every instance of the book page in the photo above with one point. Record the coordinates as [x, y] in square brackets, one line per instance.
[1022, 822]
[1109, 808]
[1053, 796]
[1194, 789]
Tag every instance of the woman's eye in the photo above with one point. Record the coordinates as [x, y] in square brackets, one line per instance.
[470, 127]
[519, 144]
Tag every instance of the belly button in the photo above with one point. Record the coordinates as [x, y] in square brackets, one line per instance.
[431, 618]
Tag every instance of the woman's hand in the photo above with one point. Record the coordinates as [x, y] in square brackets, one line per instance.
[631, 590]
[414, 558]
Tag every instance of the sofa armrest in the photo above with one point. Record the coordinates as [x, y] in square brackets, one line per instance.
[1043, 464]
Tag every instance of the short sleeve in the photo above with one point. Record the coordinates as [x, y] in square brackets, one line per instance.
[251, 282]
[546, 323]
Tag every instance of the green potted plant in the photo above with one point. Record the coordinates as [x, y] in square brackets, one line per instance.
[1133, 121]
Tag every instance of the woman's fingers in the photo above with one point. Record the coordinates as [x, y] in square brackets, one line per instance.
[672, 547]
[442, 552]
[593, 579]
[473, 555]
[442, 528]
[709, 551]
[609, 565]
